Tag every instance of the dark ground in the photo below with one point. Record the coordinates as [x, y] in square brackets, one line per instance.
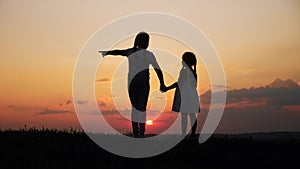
[45, 149]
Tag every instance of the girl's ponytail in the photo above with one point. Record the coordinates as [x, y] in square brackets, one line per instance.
[195, 72]
[190, 59]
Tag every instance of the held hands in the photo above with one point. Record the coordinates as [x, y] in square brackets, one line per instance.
[163, 88]
[103, 53]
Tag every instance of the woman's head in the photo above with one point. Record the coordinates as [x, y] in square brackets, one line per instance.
[189, 58]
[142, 40]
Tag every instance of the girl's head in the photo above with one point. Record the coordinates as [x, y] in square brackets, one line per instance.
[189, 59]
[142, 40]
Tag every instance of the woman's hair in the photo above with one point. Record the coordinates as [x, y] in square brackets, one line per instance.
[142, 40]
[190, 60]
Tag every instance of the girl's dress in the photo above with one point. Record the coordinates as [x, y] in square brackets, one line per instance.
[186, 99]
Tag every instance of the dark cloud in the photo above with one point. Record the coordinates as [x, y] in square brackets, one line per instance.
[125, 111]
[67, 102]
[20, 108]
[103, 80]
[114, 111]
[122, 112]
[278, 83]
[81, 102]
[205, 98]
[258, 119]
[154, 111]
[168, 119]
[220, 86]
[16, 107]
[274, 107]
[101, 103]
[49, 111]
[270, 95]
[109, 112]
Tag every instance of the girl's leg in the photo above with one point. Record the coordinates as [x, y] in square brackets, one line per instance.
[183, 123]
[193, 119]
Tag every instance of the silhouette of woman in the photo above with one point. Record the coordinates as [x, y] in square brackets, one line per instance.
[186, 98]
[139, 60]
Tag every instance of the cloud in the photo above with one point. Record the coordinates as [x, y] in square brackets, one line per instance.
[49, 111]
[126, 112]
[220, 86]
[259, 119]
[277, 94]
[103, 80]
[109, 112]
[23, 108]
[101, 103]
[15, 107]
[114, 111]
[81, 102]
[278, 83]
[271, 96]
[205, 98]
[274, 107]
[67, 102]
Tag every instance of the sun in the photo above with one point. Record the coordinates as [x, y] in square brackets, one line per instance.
[149, 122]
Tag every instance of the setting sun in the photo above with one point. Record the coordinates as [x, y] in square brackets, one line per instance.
[149, 122]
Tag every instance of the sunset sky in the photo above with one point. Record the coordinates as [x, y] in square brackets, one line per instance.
[258, 41]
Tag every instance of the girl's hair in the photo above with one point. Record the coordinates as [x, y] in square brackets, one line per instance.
[190, 60]
[141, 40]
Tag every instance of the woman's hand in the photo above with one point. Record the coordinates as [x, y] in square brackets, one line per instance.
[163, 88]
[103, 53]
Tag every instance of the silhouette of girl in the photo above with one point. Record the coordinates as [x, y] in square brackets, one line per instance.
[186, 98]
[139, 60]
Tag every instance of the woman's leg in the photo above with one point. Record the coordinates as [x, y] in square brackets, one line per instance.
[144, 89]
[138, 93]
[183, 123]
[193, 119]
[134, 122]
[133, 95]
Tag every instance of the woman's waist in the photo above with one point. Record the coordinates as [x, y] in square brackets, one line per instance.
[139, 74]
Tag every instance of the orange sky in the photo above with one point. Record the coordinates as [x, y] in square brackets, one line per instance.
[258, 41]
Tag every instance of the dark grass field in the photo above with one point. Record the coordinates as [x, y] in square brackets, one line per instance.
[53, 149]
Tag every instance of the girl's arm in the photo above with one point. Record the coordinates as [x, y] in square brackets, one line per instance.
[181, 79]
[114, 52]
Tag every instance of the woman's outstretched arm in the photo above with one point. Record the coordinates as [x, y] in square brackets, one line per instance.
[114, 52]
